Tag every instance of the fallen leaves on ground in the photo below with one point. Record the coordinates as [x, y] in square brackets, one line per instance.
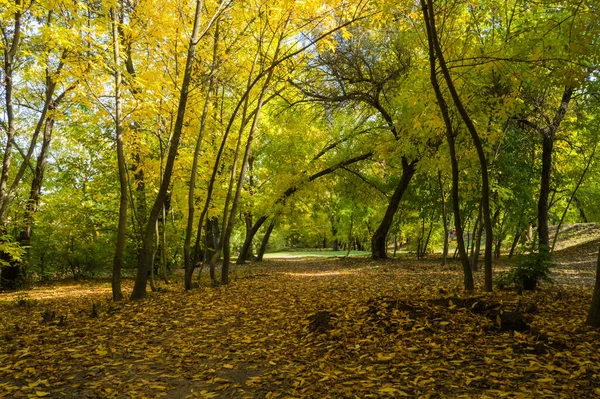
[302, 329]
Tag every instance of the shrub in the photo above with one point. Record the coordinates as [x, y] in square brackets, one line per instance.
[529, 269]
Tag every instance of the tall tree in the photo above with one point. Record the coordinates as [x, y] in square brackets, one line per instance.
[429, 16]
[121, 164]
[145, 257]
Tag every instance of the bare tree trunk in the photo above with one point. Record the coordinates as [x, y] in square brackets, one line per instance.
[424, 250]
[156, 247]
[265, 241]
[248, 240]
[378, 241]
[261, 99]
[475, 260]
[515, 242]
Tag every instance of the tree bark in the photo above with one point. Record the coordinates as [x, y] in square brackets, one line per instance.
[378, 241]
[265, 241]
[475, 260]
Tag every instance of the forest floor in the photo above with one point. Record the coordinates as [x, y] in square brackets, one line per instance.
[307, 328]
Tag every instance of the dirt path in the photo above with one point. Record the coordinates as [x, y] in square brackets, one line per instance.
[313, 328]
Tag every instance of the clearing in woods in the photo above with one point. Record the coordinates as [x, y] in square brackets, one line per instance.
[316, 328]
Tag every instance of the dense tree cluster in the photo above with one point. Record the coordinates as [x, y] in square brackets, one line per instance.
[340, 124]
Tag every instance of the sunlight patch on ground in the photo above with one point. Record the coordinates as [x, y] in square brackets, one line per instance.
[321, 274]
[56, 292]
[314, 254]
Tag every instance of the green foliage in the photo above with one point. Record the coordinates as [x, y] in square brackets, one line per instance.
[529, 269]
[11, 249]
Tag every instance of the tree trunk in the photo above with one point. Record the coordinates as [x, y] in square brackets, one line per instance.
[593, 318]
[163, 252]
[122, 167]
[424, 250]
[211, 239]
[189, 262]
[265, 241]
[444, 218]
[548, 136]
[584, 219]
[253, 127]
[378, 246]
[248, 240]
[485, 190]
[543, 234]
[515, 242]
[443, 106]
[9, 59]
[474, 235]
[477, 246]
[236, 198]
[36, 183]
[248, 217]
[139, 289]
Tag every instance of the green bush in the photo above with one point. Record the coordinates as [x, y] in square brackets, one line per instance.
[530, 268]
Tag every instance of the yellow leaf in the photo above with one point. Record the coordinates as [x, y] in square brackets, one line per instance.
[385, 357]
[544, 380]
[393, 391]
[41, 394]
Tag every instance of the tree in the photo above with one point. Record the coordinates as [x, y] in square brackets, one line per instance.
[145, 257]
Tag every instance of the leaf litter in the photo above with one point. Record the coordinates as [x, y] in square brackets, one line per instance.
[342, 328]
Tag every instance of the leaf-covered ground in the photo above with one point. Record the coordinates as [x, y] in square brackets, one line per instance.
[325, 328]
